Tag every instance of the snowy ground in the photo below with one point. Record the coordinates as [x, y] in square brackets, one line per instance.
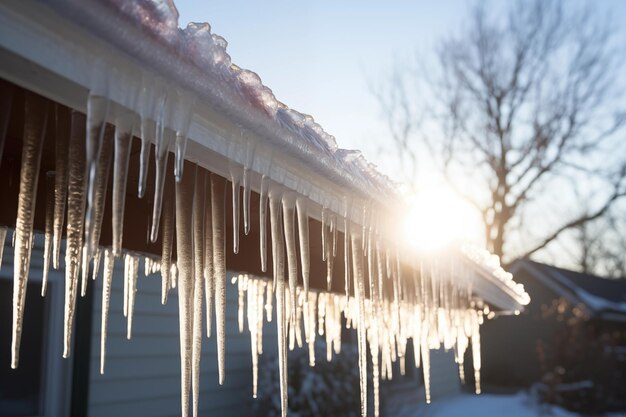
[486, 405]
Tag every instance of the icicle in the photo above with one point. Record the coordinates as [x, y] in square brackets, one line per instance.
[84, 270]
[133, 266]
[185, 284]
[62, 134]
[263, 222]
[161, 155]
[126, 284]
[198, 284]
[3, 238]
[254, 304]
[123, 142]
[426, 364]
[268, 305]
[476, 349]
[106, 297]
[48, 230]
[218, 188]
[36, 117]
[303, 230]
[167, 239]
[324, 240]
[246, 200]
[208, 255]
[151, 99]
[75, 216]
[101, 184]
[235, 179]
[346, 254]
[333, 228]
[279, 271]
[359, 294]
[97, 113]
[330, 260]
[289, 203]
[96, 264]
[240, 302]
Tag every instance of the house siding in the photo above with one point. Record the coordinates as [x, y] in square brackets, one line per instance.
[142, 376]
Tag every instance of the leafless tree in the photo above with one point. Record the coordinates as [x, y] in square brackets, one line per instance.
[514, 100]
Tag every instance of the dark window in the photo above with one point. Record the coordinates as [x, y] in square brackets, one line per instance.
[20, 389]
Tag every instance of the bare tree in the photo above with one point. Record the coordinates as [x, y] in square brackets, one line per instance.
[517, 99]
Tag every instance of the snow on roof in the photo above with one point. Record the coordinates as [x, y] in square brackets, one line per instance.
[207, 51]
[597, 293]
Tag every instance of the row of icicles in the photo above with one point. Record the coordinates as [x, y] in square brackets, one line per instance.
[432, 309]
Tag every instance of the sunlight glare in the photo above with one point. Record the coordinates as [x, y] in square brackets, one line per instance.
[438, 217]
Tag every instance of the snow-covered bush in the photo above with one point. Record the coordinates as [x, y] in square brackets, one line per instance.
[327, 389]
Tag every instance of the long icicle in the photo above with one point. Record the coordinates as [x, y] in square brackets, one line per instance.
[168, 235]
[61, 143]
[47, 246]
[289, 203]
[263, 222]
[133, 265]
[209, 286]
[184, 257]
[198, 285]
[236, 185]
[161, 156]
[359, 295]
[36, 117]
[246, 200]
[303, 230]
[218, 190]
[77, 183]
[278, 255]
[106, 297]
[123, 142]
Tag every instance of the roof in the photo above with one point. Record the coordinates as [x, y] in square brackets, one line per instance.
[597, 293]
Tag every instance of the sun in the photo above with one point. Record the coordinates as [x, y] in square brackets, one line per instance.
[437, 217]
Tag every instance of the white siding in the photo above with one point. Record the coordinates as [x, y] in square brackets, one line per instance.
[142, 376]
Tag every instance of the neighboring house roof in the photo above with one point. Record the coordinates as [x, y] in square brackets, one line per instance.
[600, 296]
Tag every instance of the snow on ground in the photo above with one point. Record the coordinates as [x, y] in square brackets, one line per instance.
[486, 405]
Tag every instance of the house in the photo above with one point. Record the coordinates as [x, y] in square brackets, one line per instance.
[95, 97]
[572, 335]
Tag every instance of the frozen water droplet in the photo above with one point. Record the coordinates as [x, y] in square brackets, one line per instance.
[235, 178]
[303, 230]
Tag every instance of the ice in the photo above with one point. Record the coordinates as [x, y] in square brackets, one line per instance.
[106, 297]
[76, 196]
[303, 230]
[151, 99]
[263, 221]
[235, 179]
[246, 200]
[133, 267]
[161, 155]
[199, 200]
[96, 263]
[61, 140]
[185, 284]
[330, 260]
[426, 361]
[218, 189]
[36, 110]
[178, 114]
[167, 241]
[103, 167]
[47, 248]
[346, 254]
[240, 281]
[359, 294]
[289, 204]
[209, 279]
[278, 262]
[476, 349]
[123, 142]
[324, 232]
[3, 238]
[97, 112]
